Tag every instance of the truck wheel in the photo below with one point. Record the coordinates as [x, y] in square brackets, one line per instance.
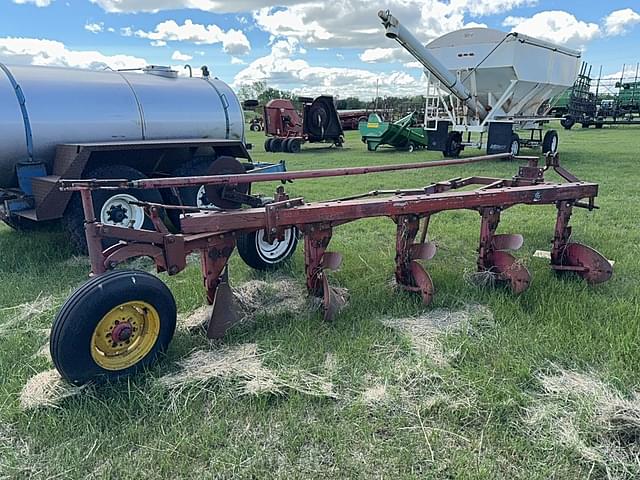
[453, 147]
[111, 207]
[259, 254]
[285, 145]
[550, 142]
[294, 145]
[115, 324]
[194, 196]
[267, 144]
[276, 144]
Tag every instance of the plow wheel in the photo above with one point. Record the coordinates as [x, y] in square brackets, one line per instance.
[115, 324]
[586, 262]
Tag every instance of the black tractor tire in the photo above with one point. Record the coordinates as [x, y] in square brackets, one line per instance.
[568, 122]
[550, 142]
[267, 145]
[453, 146]
[294, 145]
[188, 195]
[411, 147]
[276, 144]
[254, 127]
[73, 219]
[72, 344]
[285, 145]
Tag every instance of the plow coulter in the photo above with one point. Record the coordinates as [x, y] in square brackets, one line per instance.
[120, 320]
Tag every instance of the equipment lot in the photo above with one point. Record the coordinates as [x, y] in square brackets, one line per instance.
[481, 384]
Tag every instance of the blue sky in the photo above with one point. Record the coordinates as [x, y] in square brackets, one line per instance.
[308, 47]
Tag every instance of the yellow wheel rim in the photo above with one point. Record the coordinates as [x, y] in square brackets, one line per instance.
[125, 335]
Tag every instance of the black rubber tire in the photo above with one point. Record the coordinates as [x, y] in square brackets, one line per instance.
[567, 122]
[188, 195]
[514, 138]
[267, 145]
[252, 256]
[73, 219]
[285, 145]
[599, 125]
[453, 147]
[73, 327]
[276, 144]
[295, 145]
[411, 147]
[548, 142]
[254, 127]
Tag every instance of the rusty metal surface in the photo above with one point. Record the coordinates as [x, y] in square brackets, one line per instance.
[213, 233]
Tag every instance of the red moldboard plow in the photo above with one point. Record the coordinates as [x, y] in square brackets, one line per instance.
[213, 233]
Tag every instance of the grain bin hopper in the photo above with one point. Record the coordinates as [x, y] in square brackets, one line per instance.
[487, 82]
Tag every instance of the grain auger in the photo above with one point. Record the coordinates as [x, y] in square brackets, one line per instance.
[120, 320]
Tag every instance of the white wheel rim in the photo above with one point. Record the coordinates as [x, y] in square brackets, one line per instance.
[554, 144]
[515, 146]
[118, 211]
[272, 252]
[201, 196]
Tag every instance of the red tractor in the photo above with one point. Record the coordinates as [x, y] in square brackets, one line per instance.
[287, 130]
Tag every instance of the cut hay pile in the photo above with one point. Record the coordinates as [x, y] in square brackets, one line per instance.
[243, 363]
[582, 413]
[255, 297]
[46, 389]
[21, 317]
[426, 331]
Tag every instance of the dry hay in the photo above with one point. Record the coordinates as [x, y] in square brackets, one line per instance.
[425, 331]
[375, 394]
[271, 298]
[254, 297]
[243, 363]
[20, 317]
[581, 412]
[46, 389]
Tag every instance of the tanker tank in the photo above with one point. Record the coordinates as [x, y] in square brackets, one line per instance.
[42, 107]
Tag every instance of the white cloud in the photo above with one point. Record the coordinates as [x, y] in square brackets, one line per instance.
[37, 3]
[237, 61]
[234, 42]
[180, 57]
[111, 29]
[555, 26]
[35, 51]
[281, 70]
[619, 21]
[217, 6]
[126, 31]
[375, 55]
[158, 43]
[94, 27]
[413, 65]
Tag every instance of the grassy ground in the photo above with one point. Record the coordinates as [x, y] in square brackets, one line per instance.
[476, 410]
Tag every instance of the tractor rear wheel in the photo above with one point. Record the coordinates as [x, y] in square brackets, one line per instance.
[115, 324]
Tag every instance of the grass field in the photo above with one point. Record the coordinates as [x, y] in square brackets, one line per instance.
[542, 385]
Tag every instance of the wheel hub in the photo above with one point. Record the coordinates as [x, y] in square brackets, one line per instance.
[117, 214]
[122, 332]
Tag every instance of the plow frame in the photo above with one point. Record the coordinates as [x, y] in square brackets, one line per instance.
[213, 233]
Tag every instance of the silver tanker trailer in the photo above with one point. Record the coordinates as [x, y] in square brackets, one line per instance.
[483, 83]
[69, 123]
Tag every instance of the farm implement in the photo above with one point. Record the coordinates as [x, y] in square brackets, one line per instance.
[399, 134]
[120, 320]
